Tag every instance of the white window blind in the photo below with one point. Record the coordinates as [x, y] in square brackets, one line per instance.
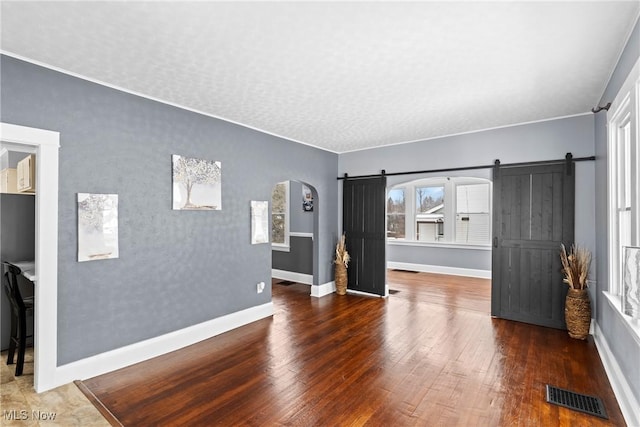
[473, 219]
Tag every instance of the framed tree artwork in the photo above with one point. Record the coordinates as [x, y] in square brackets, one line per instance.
[196, 184]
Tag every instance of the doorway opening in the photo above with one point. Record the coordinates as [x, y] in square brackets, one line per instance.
[294, 225]
[45, 145]
[17, 238]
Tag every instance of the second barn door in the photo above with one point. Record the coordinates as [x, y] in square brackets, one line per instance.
[533, 212]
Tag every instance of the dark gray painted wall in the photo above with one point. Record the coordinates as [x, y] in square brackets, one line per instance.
[537, 141]
[176, 268]
[622, 344]
[300, 256]
[298, 259]
[17, 243]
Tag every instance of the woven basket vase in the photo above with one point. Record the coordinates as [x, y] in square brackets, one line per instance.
[577, 313]
[341, 278]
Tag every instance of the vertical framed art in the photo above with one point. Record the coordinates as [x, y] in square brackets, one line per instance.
[259, 222]
[97, 226]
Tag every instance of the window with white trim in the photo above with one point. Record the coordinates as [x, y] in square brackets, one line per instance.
[280, 216]
[624, 209]
[441, 210]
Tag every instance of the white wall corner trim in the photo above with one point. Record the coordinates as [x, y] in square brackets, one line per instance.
[324, 289]
[147, 349]
[629, 405]
[439, 269]
[305, 279]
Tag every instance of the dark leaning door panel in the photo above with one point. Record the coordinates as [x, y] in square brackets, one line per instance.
[364, 224]
[533, 214]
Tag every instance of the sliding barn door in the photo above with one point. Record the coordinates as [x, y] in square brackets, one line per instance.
[533, 210]
[363, 222]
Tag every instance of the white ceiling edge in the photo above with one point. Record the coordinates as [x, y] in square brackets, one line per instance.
[151, 98]
[432, 138]
[615, 65]
[111, 86]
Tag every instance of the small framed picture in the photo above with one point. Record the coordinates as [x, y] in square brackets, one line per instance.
[307, 199]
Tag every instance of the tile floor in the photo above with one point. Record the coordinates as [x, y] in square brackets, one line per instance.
[21, 405]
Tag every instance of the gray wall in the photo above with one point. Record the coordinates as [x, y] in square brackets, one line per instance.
[538, 141]
[17, 243]
[176, 268]
[622, 344]
[10, 159]
[301, 221]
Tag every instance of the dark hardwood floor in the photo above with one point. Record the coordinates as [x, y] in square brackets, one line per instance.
[429, 355]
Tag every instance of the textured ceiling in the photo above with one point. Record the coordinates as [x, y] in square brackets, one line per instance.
[338, 75]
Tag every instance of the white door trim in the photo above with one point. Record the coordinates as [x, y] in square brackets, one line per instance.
[45, 144]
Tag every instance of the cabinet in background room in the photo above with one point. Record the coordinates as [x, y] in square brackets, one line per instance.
[8, 181]
[27, 174]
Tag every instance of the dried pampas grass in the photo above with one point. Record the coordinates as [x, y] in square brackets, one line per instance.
[575, 265]
[342, 256]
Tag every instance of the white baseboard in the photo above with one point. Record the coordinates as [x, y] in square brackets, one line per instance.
[629, 405]
[147, 349]
[425, 268]
[305, 279]
[324, 289]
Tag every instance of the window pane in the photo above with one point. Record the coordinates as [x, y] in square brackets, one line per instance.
[429, 198]
[473, 222]
[627, 166]
[279, 198]
[472, 198]
[277, 228]
[430, 214]
[473, 228]
[279, 213]
[396, 214]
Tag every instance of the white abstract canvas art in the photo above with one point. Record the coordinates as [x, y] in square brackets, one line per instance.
[259, 222]
[97, 226]
[631, 282]
[196, 184]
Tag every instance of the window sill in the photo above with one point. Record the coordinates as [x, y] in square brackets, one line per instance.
[280, 247]
[438, 245]
[632, 325]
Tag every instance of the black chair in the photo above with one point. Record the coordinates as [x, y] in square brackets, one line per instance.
[19, 309]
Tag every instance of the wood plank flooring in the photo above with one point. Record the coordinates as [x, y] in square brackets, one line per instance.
[428, 355]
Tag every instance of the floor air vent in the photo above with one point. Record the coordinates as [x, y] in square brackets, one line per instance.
[579, 402]
[285, 282]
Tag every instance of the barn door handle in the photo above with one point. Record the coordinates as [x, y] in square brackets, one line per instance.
[495, 242]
